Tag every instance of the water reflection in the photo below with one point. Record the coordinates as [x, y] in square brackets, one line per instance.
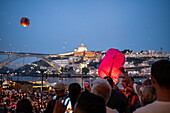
[67, 81]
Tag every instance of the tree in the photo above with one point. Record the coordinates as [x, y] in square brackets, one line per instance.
[70, 69]
[141, 51]
[62, 69]
[85, 70]
[125, 51]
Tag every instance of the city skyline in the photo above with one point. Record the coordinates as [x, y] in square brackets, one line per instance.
[61, 26]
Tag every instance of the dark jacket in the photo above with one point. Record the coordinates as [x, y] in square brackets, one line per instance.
[118, 101]
[51, 104]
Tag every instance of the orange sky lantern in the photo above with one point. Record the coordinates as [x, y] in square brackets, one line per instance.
[111, 63]
[25, 21]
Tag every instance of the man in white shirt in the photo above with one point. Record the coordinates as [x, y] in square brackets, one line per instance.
[160, 76]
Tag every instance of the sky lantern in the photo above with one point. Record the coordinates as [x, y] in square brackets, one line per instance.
[25, 21]
[111, 63]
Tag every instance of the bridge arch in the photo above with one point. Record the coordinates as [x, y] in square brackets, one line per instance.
[6, 61]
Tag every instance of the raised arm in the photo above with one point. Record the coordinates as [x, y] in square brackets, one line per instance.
[129, 80]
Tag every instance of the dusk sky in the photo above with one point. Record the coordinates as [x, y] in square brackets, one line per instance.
[60, 26]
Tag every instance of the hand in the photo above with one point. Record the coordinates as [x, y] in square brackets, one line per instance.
[122, 69]
[123, 84]
[59, 106]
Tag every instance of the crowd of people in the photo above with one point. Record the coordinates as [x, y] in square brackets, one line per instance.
[12, 99]
[101, 96]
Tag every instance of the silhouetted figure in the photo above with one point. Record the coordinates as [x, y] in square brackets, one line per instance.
[74, 91]
[24, 106]
[60, 93]
[89, 103]
[117, 100]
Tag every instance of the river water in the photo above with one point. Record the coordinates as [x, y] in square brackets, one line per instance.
[65, 80]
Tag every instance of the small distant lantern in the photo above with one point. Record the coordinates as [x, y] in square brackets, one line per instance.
[25, 21]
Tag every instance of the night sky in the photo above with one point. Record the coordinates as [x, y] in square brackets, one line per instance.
[60, 26]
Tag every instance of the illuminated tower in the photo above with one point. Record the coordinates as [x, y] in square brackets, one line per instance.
[82, 48]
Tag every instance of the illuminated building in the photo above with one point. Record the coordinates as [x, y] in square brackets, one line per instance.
[88, 55]
[82, 48]
[79, 56]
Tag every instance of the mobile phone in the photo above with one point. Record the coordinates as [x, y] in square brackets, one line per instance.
[54, 97]
[86, 83]
[15, 106]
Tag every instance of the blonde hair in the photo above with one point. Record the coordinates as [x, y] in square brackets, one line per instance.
[148, 95]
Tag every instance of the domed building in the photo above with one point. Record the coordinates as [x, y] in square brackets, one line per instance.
[81, 48]
[82, 51]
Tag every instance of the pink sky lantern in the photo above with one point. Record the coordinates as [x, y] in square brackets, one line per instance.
[111, 63]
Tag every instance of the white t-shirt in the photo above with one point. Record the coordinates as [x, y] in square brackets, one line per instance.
[155, 107]
[110, 110]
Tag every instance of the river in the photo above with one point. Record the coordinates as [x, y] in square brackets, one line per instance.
[65, 80]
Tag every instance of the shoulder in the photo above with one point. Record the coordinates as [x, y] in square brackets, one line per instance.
[110, 110]
[144, 109]
[155, 107]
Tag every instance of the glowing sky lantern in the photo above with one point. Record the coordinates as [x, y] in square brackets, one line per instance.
[25, 21]
[111, 63]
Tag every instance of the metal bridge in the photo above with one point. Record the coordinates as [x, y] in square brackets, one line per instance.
[18, 55]
[44, 57]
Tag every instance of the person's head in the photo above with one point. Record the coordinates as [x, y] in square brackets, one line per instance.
[74, 91]
[148, 95]
[24, 106]
[59, 89]
[147, 82]
[101, 88]
[89, 103]
[160, 74]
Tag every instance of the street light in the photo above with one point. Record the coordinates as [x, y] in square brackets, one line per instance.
[17, 80]
[42, 69]
[7, 74]
[1, 79]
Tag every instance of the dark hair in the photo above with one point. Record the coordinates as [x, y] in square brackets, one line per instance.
[109, 79]
[24, 106]
[74, 91]
[161, 72]
[90, 103]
